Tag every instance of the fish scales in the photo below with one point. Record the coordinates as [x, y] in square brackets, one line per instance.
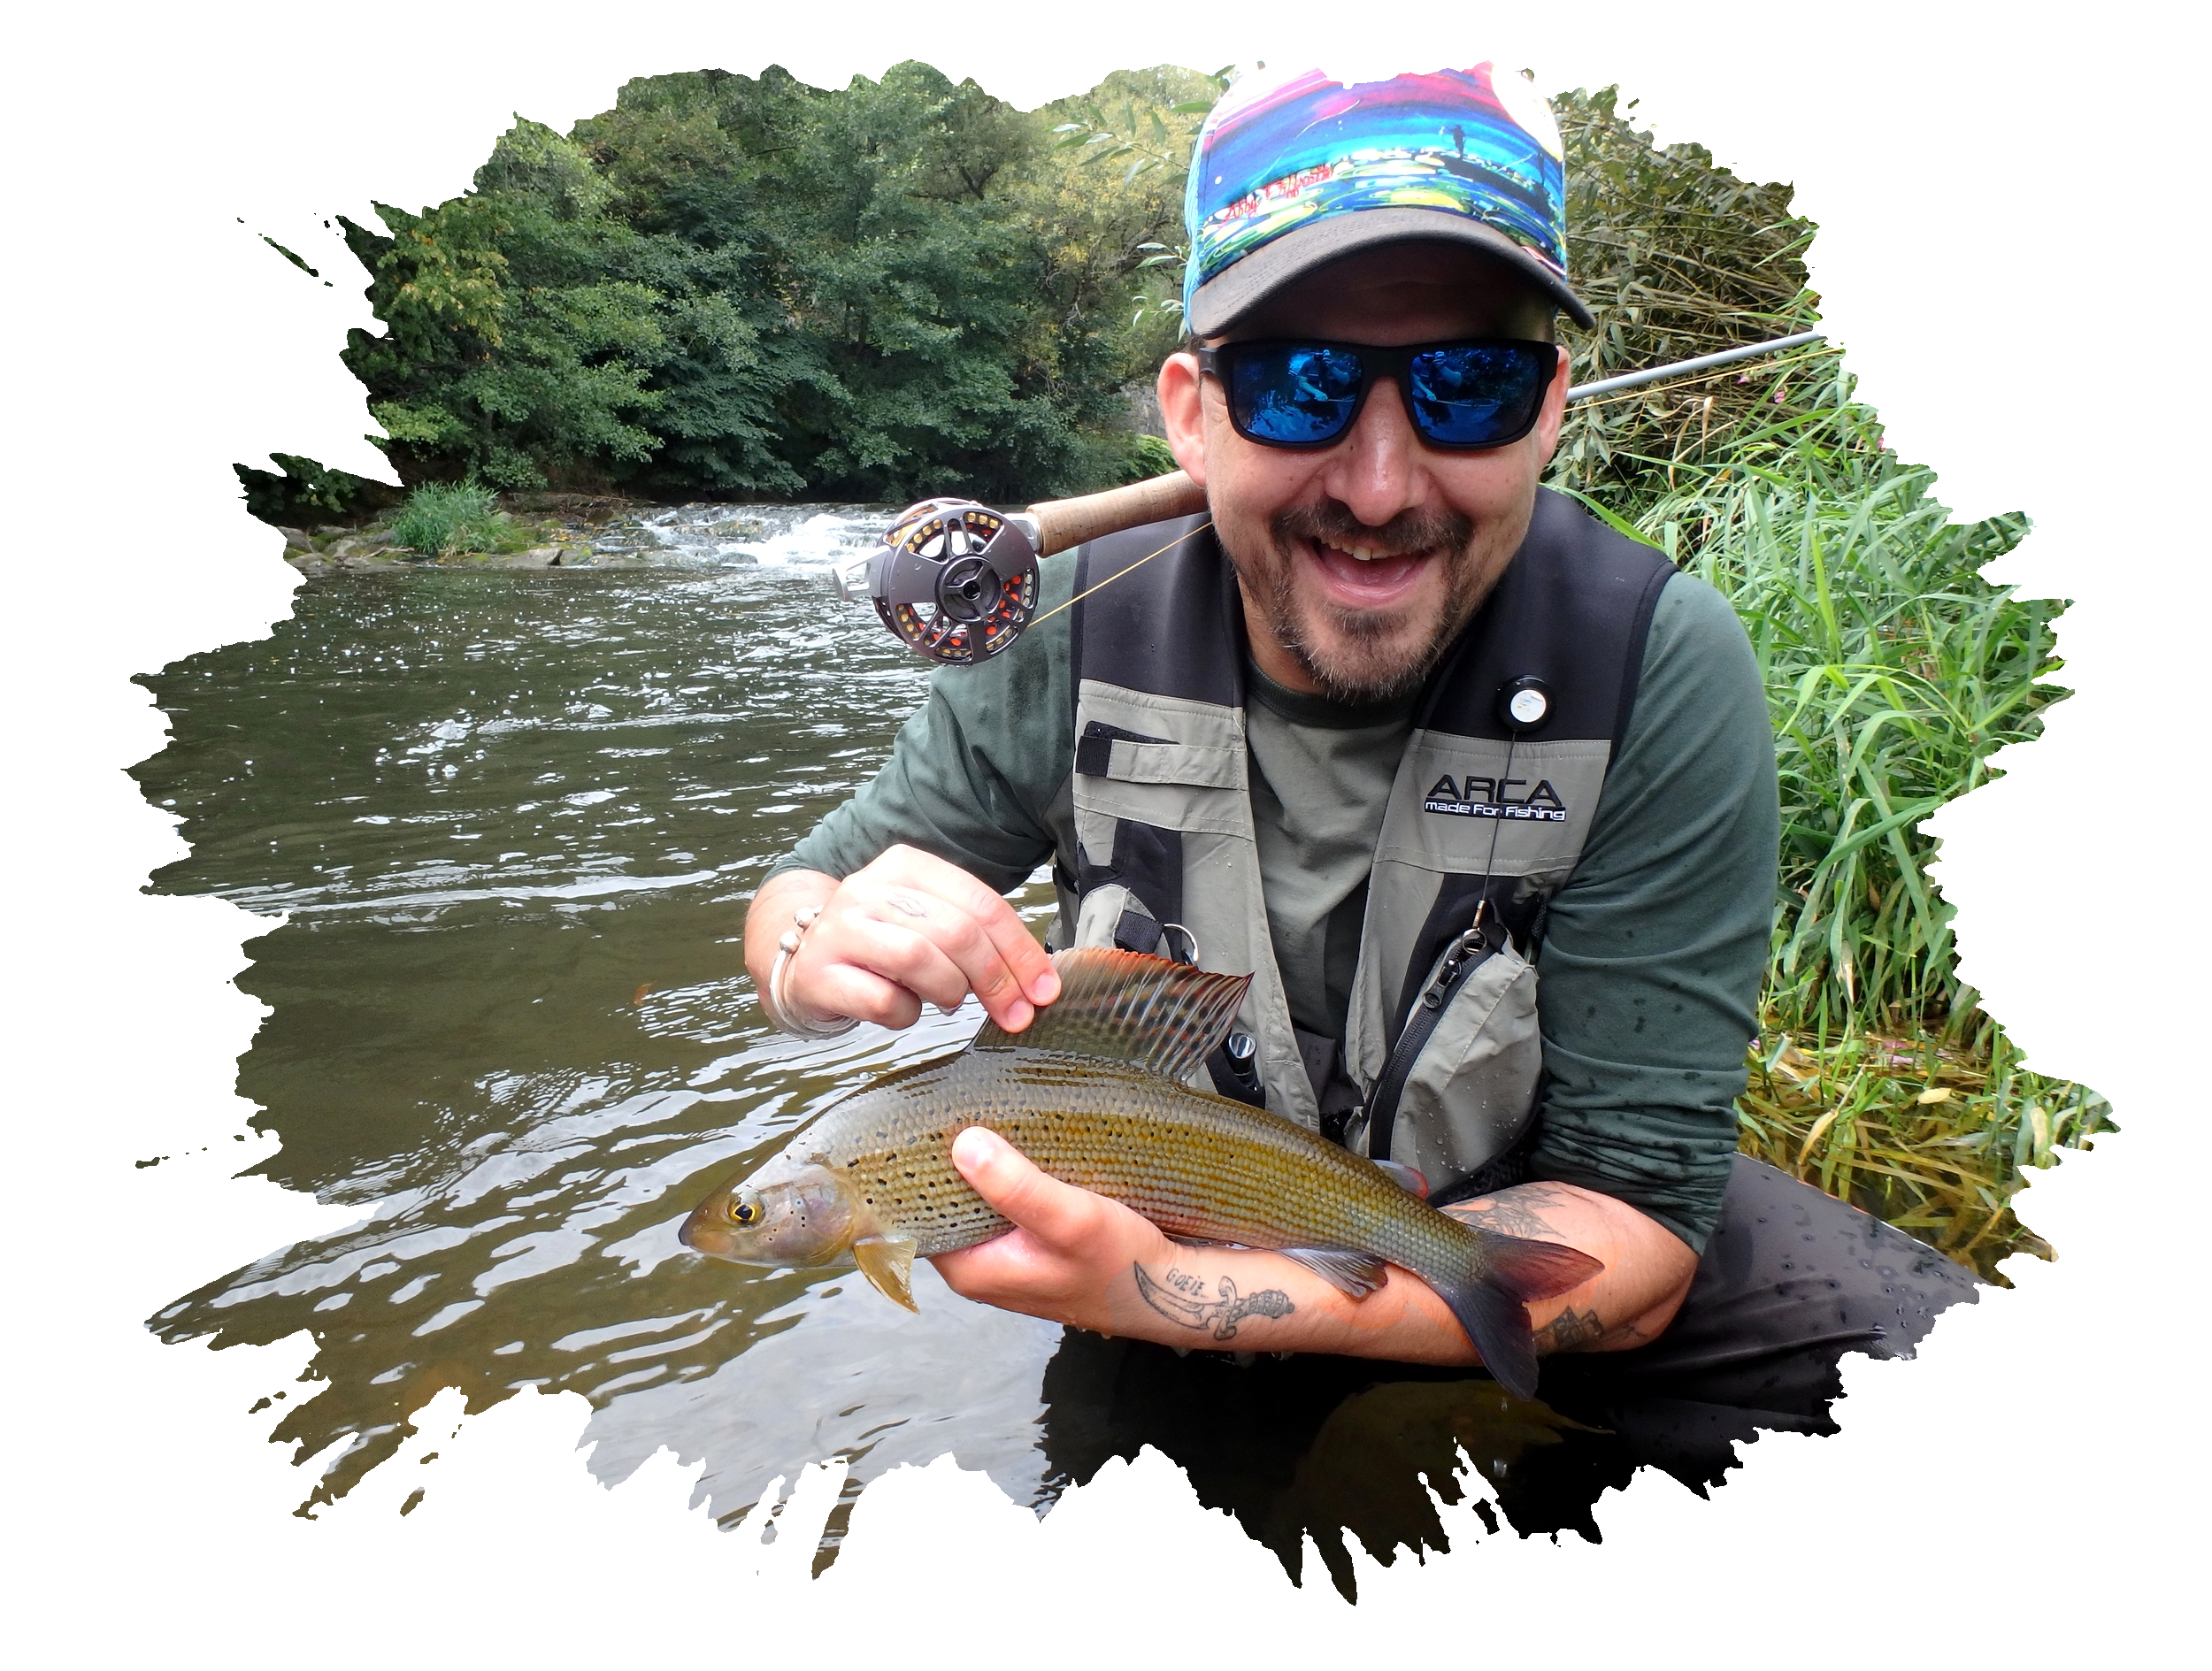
[1195, 1165]
[1094, 1092]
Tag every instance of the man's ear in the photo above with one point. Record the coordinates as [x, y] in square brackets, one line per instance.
[1183, 413]
[1549, 421]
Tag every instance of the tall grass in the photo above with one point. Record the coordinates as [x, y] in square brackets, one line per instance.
[1892, 671]
[1675, 256]
[440, 518]
[1932, 1137]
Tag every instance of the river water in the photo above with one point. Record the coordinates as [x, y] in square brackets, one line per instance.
[512, 820]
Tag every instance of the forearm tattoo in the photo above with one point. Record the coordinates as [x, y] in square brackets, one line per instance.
[1570, 1331]
[1180, 1297]
[1573, 1330]
[1524, 1210]
[1517, 1211]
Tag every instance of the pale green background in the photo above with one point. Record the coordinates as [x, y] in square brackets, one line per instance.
[2002, 191]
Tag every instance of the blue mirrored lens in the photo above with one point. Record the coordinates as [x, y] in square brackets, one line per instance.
[1474, 395]
[1295, 396]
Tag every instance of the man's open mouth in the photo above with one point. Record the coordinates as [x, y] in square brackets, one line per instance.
[1360, 573]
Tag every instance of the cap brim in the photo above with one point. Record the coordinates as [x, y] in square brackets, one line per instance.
[1225, 298]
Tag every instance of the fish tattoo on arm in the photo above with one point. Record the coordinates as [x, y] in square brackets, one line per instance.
[1180, 1297]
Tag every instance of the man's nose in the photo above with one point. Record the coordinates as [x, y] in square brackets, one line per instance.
[1378, 470]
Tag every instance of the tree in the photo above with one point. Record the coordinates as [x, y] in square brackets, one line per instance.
[729, 285]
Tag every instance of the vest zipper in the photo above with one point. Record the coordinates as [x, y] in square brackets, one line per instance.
[1466, 954]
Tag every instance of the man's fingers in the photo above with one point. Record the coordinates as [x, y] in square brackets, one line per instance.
[846, 989]
[969, 955]
[858, 946]
[1058, 1215]
[915, 961]
[1019, 956]
[1029, 964]
[911, 928]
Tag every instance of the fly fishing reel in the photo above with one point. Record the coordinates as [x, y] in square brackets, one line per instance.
[954, 580]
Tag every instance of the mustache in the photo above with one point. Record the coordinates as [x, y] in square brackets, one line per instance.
[1408, 532]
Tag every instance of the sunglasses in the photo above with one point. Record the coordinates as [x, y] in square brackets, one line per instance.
[1462, 396]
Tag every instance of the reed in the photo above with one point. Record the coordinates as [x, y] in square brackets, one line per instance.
[442, 518]
[1932, 1138]
[1675, 256]
[1892, 671]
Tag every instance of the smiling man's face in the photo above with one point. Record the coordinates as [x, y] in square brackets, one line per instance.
[1359, 563]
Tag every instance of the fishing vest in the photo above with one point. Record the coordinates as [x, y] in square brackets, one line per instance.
[1487, 818]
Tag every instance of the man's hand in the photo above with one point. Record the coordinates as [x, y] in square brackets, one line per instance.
[909, 928]
[1070, 1254]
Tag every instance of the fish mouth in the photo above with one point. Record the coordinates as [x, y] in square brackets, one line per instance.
[701, 1235]
[709, 1231]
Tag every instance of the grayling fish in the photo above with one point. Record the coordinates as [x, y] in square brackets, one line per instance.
[1093, 1093]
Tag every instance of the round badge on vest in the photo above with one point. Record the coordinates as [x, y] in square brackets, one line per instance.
[1525, 704]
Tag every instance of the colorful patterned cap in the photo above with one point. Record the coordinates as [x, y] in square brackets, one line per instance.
[1296, 168]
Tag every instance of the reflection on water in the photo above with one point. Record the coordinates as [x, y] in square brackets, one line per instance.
[513, 819]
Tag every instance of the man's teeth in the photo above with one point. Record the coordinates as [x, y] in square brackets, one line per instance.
[1368, 554]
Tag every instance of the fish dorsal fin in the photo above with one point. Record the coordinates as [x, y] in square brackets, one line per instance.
[1126, 1007]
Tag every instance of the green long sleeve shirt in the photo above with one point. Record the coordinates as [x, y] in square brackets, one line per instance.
[1649, 971]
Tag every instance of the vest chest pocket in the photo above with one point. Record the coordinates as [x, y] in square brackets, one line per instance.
[1169, 764]
[1471, 1090]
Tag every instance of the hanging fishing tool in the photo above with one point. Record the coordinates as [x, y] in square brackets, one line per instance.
[957, 580]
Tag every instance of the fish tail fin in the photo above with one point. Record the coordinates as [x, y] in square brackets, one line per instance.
[1493, 1305]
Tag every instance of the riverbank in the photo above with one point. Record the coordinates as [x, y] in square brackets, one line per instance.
[576, 531]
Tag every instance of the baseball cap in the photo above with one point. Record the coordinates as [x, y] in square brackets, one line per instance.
[1296, 168]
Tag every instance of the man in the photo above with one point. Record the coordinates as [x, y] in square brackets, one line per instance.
[1483, 792]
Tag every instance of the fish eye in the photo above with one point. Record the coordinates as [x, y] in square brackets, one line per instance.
[745, 1212]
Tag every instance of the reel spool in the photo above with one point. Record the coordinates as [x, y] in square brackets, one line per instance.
[955, 580]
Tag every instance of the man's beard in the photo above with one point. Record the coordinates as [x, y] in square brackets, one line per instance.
[1360, 663]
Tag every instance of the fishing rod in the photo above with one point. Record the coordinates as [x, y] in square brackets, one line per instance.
[958, 581]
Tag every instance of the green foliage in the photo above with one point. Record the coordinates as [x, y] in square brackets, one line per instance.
[1148, 456]
[1138, 123]
[1933, 1137]
[307, 493]
[512, 352]
[1675, 258]
[740, 286]
[443, 518]
[1892, 671]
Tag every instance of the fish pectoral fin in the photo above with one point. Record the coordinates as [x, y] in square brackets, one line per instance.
[888, 1263]
[1357, 1274]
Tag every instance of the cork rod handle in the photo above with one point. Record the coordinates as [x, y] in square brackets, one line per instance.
[1063, 523]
